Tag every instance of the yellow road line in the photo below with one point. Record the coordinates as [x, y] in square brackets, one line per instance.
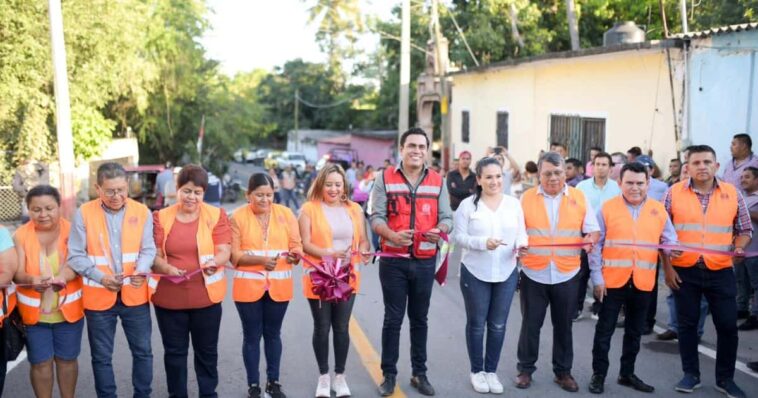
[369, 356]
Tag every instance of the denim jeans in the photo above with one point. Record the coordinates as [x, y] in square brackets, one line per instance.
[177, 327]
[635, 303]
[720, 289]
[751, 270]
[674, 322]
[289, 196]
[262, 318]
[487, 304]
[405, 282]
[101, 329]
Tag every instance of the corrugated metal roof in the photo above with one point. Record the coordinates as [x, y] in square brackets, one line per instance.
[717, 31]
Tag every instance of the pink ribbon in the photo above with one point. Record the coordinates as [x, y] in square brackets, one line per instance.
[684, 248]
[330, 280]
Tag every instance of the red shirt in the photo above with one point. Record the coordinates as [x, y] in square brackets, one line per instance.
[181, 252]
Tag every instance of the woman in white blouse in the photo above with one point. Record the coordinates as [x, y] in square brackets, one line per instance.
[489, 226]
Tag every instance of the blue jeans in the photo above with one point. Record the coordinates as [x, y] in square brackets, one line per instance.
[750, 266]
[262, 318]
[289, 195]
[486, 304]
[720, 289]
[176, 327]
[674, 322]
[101, 329]
[405, 282]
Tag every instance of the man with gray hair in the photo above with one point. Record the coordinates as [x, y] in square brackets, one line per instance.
[560, 222]
[110, 245]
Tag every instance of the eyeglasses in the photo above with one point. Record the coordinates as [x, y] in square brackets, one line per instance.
[113, 192]
[554, 173]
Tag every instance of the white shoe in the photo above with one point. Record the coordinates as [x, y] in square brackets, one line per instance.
[340, 386]
[479, 382]
[324, 390]
[494, 383]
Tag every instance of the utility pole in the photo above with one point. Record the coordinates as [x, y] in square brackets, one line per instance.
[62, 110]
[440, 71]
[405, 66]
[683, 10]
[572, 24]
[297, 119]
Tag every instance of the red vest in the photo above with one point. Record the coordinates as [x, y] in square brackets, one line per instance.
[412, 208]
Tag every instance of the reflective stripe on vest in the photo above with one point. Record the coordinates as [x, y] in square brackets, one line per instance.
[262, 275]
[26, 300]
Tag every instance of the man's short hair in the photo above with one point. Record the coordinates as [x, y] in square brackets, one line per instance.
[414, 131]
[596, 148]
[745, 139]
[676, 160]
[635, 150]
[553, 158]
[752, 170]
[700, 149]
[604, 155]
[109, 171]
[574, 162]
[556, 143]
[634, 167]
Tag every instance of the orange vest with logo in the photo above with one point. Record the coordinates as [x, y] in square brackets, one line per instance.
[621, 262]
[95, 296]
[713, 229]
[412, 209]
[571, 215]
[29, 300]
[321, 236]
[251, 282]
[215, 284]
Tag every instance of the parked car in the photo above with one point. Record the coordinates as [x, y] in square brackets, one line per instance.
[245, 155]
[294, 159]
[342, 157]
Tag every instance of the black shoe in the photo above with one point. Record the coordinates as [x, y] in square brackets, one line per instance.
[421, 383]
[743, 314]
[387, 387]
[254, 391]
[635, 383]
[597, 384]
[577, 316]
[274, 390]
[667, 335]
[753, 366]
[750, 324]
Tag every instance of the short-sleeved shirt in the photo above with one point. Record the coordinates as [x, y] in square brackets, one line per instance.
[6, 241]
[732, 173]
[182, 253]
[598, 195]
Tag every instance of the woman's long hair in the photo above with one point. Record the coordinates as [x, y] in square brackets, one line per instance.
[480, 165]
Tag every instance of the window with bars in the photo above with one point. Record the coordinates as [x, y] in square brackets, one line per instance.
[465, 132]
[501, 129]
[578, 134]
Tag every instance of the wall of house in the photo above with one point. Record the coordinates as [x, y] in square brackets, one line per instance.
[371, 151]
[629, 89]
[723, 90]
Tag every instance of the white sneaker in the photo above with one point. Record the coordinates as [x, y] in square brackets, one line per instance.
[479, 382]
[494, 383]
[340, 386]
[324, 390]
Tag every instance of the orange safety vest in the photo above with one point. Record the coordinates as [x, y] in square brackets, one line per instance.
[29, 300]
[10, 292]
[321, 236]
[96, 297]
[621, 262]
[712, 230]
[412, 208]
[215, 284]
[571, 216]
[252, 281]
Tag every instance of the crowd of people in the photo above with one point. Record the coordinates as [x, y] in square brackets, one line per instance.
[546, 231]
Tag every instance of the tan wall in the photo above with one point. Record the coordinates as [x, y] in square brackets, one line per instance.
[629, 89]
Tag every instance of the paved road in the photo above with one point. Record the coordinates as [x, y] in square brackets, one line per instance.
[658, 362]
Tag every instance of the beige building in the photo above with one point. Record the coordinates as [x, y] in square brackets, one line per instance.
[612, 97]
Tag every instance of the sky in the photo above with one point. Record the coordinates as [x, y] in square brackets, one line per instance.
[251, 34]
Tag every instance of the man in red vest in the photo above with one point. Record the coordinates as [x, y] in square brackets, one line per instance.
[410, 208]
[711, 214]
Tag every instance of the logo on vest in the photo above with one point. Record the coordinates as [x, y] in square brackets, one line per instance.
[725, 196]
[572, 202]
[133, 221]
[426, 208]
[654, 212]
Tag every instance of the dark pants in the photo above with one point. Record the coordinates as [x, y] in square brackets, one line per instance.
[3, 361]
[487, 305]
[751, 271]
[101, 330]
[405, 281]
[652, 308]
[262, 318]
[720, 290]
[584, 277]
[535, 297]
[335, 316]
[176, 327]
[635, 304]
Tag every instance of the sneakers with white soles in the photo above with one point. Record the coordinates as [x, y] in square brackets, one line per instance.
[340, 386]
[324, 390]
[495, 386]
[479, 382]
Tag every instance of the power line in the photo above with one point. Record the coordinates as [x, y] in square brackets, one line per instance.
[325, 106]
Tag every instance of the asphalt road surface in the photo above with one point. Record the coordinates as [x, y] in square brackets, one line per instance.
[658, 362]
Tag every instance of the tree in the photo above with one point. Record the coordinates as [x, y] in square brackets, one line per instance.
[339, 23]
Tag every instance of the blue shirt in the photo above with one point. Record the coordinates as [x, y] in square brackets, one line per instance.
[598, 195]
[657, 189]
[550, 275]
[668, 237]
[6, 242]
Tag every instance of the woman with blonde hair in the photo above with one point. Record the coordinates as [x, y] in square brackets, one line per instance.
[332, 226]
